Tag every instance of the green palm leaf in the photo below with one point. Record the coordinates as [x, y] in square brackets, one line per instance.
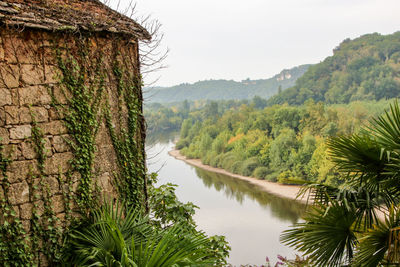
[358, 155]
[381, 243]
[327, 236]
[120, 236]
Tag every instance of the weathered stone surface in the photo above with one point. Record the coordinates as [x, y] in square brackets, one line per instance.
[34, 95]
[29, 152]
[50, 182]
[40, 114]
[54, 114]
[26, 211]
[59, 162]
[105, 156]
[74, 186]
[104, 181]
[2, 116]
[52, 74]
[5, 97]
[26, 224]
[9, 75]
[21, 170]
[18, 193]
[1, 52]
[31, 74]
[14, 96]
[11, 151]
[12, 114]
[58, 204]
[39, 206]
[21, 132]
[4, 136]
[28, 78]
[60, 143]
[18, 50]
[53, 127]
[61, 95]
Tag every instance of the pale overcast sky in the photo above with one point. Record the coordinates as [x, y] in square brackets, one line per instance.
[237, 39]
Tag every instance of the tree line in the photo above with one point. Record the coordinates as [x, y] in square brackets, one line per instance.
[279, 143]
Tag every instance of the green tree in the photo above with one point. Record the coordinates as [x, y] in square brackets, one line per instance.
[281, 148]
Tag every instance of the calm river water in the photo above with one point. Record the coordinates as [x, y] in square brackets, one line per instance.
[251, 219]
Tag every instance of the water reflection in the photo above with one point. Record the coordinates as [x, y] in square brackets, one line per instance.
[251, 219]
[283, 208]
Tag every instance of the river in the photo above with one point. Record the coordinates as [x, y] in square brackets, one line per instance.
[251, 219]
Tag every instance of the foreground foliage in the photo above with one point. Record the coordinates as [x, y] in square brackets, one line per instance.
[343, 228]
[118, 235]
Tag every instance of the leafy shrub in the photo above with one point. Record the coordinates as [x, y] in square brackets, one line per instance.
[249, 165]
[227, 160]
[273, 176]
[261, 172]
[216, 159]
[288, 177]
[183, 142]
[236, 167]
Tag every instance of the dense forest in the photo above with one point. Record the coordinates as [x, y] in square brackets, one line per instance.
[366, 68]
[225, 89]
[169, 117]
[279, 143]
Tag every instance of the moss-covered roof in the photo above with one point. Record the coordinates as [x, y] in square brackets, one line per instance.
[75, 15]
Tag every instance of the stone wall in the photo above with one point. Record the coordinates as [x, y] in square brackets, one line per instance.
[30, 88]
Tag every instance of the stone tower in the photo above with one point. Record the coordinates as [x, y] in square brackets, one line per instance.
[71, 124]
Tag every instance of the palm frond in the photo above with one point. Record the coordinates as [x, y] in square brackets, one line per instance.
[386, 128]
[326, 236]
[174, 248]
[381, 244]
[318, 193]
[358, 155]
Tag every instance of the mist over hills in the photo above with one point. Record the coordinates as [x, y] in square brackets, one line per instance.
[225, 89]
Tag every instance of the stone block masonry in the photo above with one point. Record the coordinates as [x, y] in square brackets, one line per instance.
[32, 98]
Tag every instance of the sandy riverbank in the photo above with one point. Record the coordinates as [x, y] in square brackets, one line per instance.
[286, 191]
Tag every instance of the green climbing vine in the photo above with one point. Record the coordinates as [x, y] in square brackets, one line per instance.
[128, 143]
[45, 227]
[82, 116]
[14, 243]
[84, 111]
[82, 81]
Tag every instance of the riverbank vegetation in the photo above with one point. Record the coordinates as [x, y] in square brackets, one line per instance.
[279, 143]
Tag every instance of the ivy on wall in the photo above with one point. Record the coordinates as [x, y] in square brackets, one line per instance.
[45, 227]
[83, 82]
[128, 144]
[82, 115]
[14, 248]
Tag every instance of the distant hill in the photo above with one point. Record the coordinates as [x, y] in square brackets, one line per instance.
[225, 89]
[366, 68]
